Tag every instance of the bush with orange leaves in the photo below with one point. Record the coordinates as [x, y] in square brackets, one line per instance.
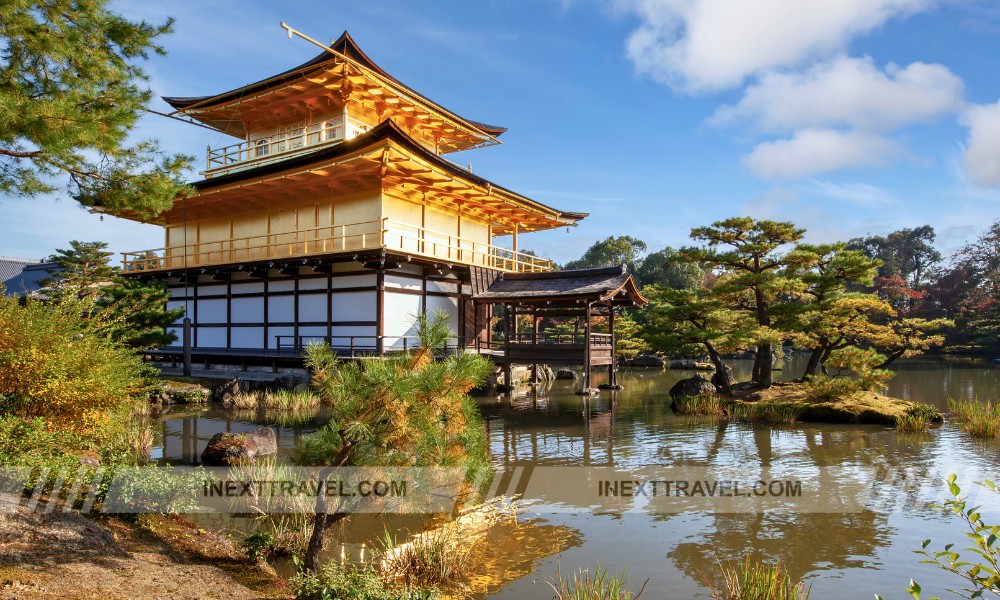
[60, 364]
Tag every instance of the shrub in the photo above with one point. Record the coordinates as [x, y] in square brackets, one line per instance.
[978, 419]
[350, 581]
[64, 368]
[757, 580]
[597, 586]
[982, 571]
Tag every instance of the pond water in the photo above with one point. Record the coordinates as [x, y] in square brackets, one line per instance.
[852, 554]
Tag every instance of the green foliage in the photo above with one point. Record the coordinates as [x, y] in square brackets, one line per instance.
[404, 410]
[906, 253]
[352, 581]
[858, 370]
[433, 329]
[620, 250]
[981, 573]
[257, 545]
[628, 337]
[29, 442]
[668, 269]
[978, 419]
[599, 585]
[68, 370]
[72, 95]
[131, 311]
[756, 277]
[758, 580]
[434, 558]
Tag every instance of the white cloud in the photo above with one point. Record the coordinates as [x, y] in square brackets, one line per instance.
[848, 91]
[982, 153]
[811, 151]
[707, 45]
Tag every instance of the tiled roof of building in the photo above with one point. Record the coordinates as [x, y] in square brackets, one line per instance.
[604, 284]
[28, 279]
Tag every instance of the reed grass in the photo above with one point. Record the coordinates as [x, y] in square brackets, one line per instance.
[978, 419]
[290, 400]
[764, 413]
[757, 580]
[917, 418]
[599, 585]
[703, 404]
[246, 400]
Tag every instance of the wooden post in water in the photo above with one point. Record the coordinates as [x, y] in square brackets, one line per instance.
[187, 346]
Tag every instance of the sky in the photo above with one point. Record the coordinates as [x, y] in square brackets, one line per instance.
[846, 117]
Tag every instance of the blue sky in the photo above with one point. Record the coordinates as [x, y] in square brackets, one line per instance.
[847, 117]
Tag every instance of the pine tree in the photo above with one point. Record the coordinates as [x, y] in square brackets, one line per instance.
[132, 312]
[71, 93]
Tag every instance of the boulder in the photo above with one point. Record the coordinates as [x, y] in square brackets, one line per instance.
[692, 386]
[686, 364]
[566, 374]
[227, 391]
[226, 449]
[648, 359]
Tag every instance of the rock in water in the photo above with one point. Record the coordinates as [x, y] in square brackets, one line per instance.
[692, 386]
[225, 392]
[226, 449]
[647, 359]
[566, 374]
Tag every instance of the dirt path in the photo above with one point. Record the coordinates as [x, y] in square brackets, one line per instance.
[67, 556]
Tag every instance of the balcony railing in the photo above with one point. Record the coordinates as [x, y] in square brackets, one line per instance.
[252, 153]
[331, 239]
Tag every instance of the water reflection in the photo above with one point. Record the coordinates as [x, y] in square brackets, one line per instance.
[842, 555]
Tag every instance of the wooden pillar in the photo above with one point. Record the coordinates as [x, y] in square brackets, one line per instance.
[613, 367]
[507, 372]
[586, 351]
[534, 341]
[379, 311]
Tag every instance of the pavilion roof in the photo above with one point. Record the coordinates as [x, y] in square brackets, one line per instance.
[386, 152]
[346, 71]
[612, 285]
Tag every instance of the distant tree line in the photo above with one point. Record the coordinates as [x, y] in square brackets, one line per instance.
[858, 305]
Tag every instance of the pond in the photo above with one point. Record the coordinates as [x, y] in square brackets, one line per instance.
[851, 553]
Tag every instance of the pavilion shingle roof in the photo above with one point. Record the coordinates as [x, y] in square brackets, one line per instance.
[600, 284]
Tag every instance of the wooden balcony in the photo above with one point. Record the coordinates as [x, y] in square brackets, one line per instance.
[342, 238]
[280, 146]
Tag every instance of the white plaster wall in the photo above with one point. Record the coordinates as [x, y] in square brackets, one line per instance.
[401, 311]
[248, 310]
[280, 309]
[248, 337]
[449, 306]
[354, 306]
[211, 337]
[312, 307]
[212, 311]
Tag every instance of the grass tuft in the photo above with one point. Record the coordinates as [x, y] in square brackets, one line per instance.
[757, 580]
[599, 585]
[764, 413]
[978, 419]
[917, 418]
[703, 404]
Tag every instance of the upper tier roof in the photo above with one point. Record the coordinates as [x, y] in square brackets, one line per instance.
[332, 75]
